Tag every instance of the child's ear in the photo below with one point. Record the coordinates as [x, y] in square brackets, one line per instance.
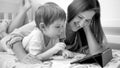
[42, 26]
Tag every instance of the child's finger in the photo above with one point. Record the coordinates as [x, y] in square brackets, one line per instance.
[65, 55]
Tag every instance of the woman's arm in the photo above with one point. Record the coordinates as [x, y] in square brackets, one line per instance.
[105, 42]
[94, 47]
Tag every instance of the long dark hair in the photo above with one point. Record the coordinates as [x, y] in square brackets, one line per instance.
[78, 6]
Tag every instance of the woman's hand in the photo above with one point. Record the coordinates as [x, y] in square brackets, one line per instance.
[67, 54]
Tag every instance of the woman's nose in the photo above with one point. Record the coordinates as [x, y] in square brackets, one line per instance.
[61, 30]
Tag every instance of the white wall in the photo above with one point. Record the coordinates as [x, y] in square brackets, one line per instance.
[61, 3]
[9, 8]
[10, 5]
[110, 17]
[110, 13]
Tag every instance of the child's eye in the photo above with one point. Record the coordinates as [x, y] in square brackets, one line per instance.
[57, 26]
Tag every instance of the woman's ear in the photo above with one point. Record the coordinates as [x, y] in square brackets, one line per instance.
[42, 26]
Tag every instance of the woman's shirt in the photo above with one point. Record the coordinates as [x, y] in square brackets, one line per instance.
[76, 41]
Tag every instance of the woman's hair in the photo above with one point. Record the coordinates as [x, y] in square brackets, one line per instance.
[48, 13]
[78, 6]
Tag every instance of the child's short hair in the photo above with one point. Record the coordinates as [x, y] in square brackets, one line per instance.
[48, 13]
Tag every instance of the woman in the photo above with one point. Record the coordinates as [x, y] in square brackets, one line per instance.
[84, 33]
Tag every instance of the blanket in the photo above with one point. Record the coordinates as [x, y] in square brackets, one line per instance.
[10, 61]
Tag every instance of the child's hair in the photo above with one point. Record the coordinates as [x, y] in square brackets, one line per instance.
[78, 6]
[48, 13]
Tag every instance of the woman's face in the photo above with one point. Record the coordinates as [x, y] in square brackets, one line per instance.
[81, 20]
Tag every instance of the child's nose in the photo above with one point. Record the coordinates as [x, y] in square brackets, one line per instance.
[62, 29]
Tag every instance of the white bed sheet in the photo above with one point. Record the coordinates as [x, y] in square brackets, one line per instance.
[10, 61]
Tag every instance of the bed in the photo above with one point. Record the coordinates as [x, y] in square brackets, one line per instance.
[10, 61]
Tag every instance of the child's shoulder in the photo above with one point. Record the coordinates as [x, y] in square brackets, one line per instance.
[35, 35]
[36, 32]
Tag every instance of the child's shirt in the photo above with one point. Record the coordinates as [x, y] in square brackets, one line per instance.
[28, 34]
[34, 42]
[17, 35]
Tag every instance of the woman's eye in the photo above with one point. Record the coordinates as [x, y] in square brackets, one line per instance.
[88, 20]
[80, 17]
[75, 23]
[62, 26]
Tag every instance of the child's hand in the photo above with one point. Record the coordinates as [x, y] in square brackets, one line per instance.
[60, 46]
[30, 59]
[67, 54]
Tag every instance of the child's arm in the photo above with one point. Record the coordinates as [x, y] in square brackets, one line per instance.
[19, 50]
[20, 19]
[47, 54]
[23, 56]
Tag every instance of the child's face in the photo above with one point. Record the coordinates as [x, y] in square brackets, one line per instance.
[81, 19]
[55, 29]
